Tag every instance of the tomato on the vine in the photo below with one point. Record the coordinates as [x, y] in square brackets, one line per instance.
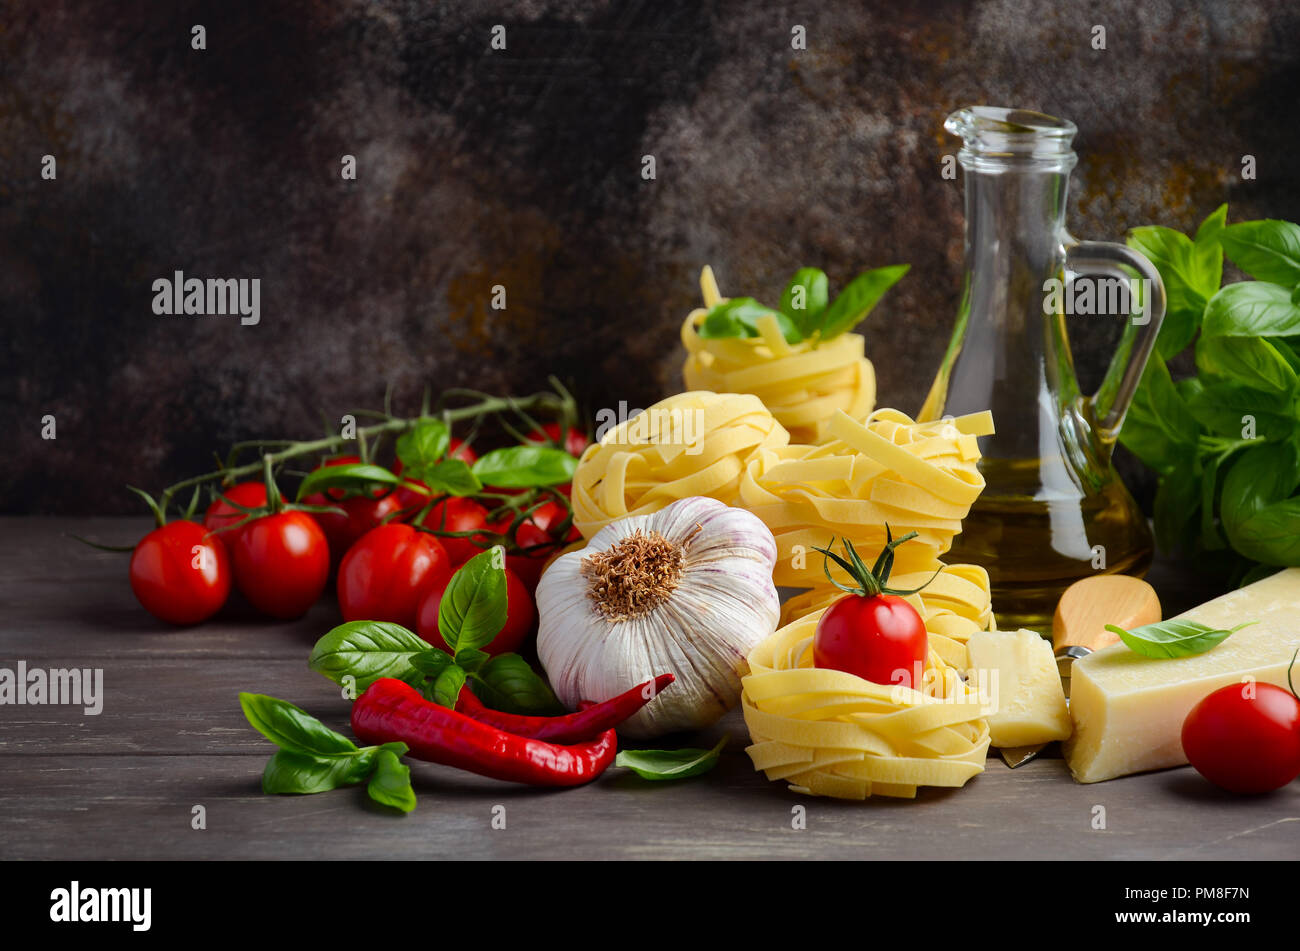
[521, 617]
[1245, 737]
[180, 573]
[872, 633]
[574, 442]
[384, 576]
[220, 514]
[458, 514]
[282, 563]
[362, 512]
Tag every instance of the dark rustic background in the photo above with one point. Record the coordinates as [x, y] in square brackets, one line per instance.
[522, 167]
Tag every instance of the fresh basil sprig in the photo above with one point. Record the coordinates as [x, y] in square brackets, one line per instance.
[313, 758]
[1224, 441]
[804, 313]
[471, 614]
[1174, 638]
[660, 765]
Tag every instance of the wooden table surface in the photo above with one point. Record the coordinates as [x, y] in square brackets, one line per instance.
[125, 784]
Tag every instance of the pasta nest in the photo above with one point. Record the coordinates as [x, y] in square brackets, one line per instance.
[831, 733]
[689, 444]
[803, 384]
[888, 470]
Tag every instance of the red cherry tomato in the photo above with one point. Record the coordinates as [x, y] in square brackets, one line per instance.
[458, 515]
[250, 495]
[881, 639]
[574, 443]
[363, 513]
[521, 617]
[384, 576]
[282, 563]
[1245, 738]
[180, 573]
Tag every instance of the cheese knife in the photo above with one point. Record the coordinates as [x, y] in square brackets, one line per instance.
[1079, 628]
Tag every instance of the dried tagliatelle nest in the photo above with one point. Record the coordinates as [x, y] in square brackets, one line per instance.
[803, 384]
[692, 444]
[831, 733]
[888, 470]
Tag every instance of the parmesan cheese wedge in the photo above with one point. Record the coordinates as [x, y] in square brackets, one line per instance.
[1030, 701]
[1128, 710]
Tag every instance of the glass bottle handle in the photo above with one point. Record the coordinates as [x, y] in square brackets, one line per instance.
[1111, 401]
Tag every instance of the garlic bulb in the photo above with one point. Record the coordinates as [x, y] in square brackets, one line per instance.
[686, 590]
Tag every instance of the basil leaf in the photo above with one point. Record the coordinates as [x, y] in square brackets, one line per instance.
[659, 765]
[451, 477]
[1189, 276]
[1252, 361]
[525, 467]
[1207, 249]
[1175, 507]
[1271, 535]
[508, 683]
[473, 608]
[739, 317]
[471, 660]
[446, 689]
[1159, 427]
[1252, 309]
[1219, 406]
[804, 299]
[367, 651]
[431, 662]
[391, 783]
[357, 477]
[1267, 250]
[1173, 638]
[421, 446]
[1261, 476]
[291, 728]
[290, 772]
[856, 301]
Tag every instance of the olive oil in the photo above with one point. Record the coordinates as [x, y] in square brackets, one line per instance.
[1035, 540]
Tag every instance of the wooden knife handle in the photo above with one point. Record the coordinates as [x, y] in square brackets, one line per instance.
[1088, 605]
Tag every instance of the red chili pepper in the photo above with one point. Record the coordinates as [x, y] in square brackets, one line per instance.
[391, 710]
[586, 724]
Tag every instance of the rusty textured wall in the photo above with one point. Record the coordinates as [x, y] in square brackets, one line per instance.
[523, 167]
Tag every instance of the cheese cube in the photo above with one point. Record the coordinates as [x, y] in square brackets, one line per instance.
[1030, 701]
[1128, 710]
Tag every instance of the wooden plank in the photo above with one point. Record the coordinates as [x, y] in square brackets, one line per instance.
[74, 807]
[171, 736]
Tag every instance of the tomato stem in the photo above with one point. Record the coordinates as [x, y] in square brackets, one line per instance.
[282, 450]
[873, 581]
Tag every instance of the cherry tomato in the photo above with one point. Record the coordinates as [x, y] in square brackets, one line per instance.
[384, 576]
[363, 513]
[521, 617]
[250, 495]
[881, 639]
[1245, 738]
[282, 563]
[574, 443]
[537, 535]
[180, 573]
[461, 515]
